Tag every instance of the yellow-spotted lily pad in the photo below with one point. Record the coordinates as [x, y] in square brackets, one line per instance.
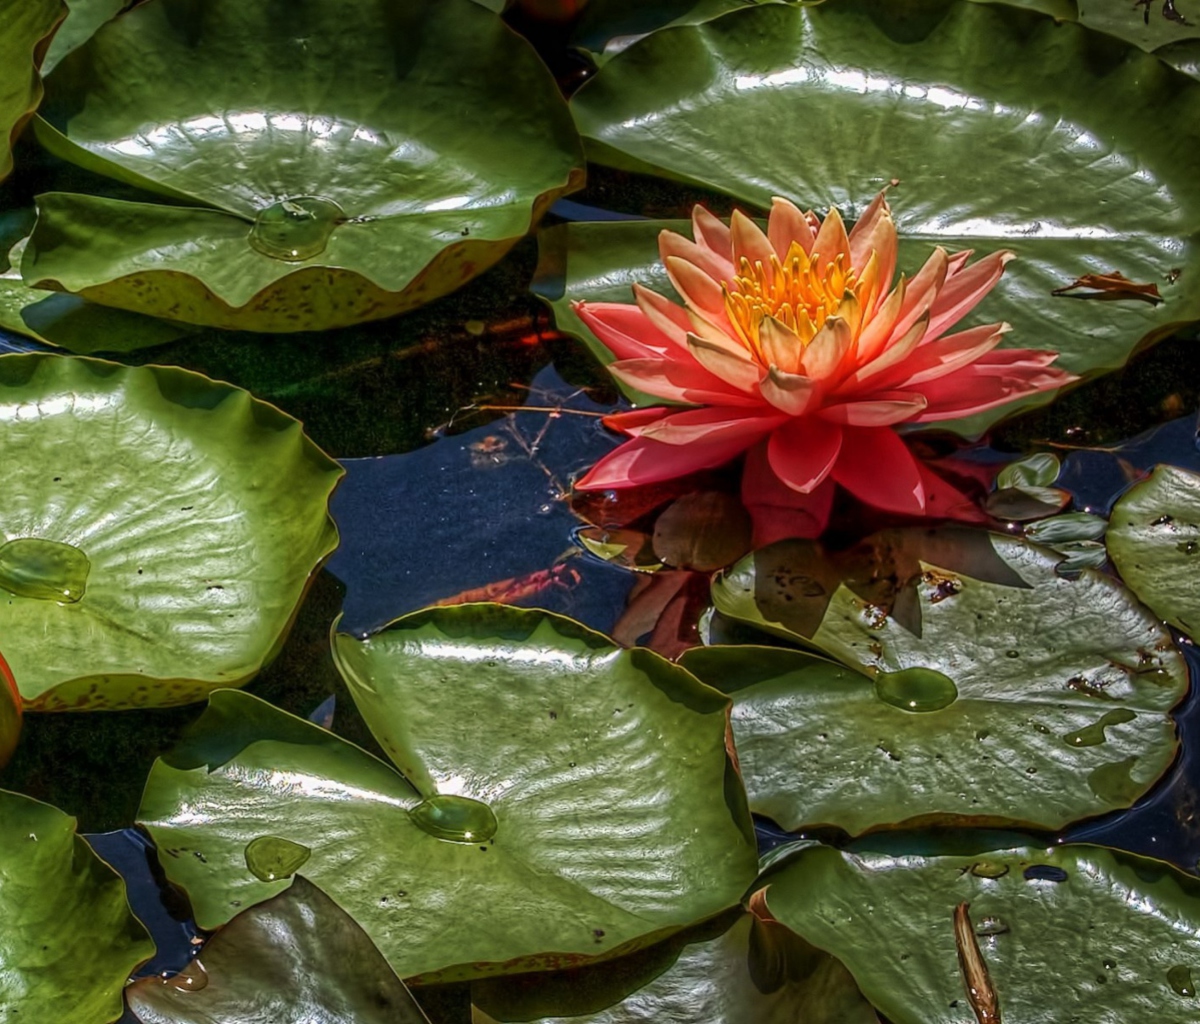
[346, 163]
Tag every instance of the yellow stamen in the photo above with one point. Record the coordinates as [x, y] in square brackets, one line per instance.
[794, 292]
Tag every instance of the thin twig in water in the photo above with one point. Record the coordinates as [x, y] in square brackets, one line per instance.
[974, 969]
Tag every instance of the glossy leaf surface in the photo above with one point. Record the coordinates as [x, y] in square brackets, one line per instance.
[1154, 541]
[359, 161]
[296, 957]
[51, 883]
[735, 969]
[993, 689]
[83, 19]
[1005, 128]
[28, 27]
[567, 799]
[1071, 932]
[159, 530]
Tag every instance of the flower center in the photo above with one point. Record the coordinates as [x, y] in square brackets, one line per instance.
[801, 292]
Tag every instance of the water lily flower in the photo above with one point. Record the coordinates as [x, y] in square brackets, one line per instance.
[794, 346]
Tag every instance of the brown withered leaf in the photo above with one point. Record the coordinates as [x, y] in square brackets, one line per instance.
[1110, 287]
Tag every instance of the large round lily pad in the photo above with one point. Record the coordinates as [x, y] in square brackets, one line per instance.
[735, 969]
[1075, 933]
[347, 163]
[296, 957]
[1154, 541]
[993, 689]
[159, 531]
[28, 28]
[561, 800]
[68, 940]
[1005, 128]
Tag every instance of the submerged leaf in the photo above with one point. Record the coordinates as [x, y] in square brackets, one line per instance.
[296, 957]
[735, 969]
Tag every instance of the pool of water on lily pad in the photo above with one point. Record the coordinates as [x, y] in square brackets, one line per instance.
[468, 495]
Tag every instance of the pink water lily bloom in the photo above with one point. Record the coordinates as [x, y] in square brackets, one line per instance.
[794, 345]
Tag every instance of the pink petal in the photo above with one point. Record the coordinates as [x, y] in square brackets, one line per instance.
[938, 358]
[700, 291]
[877, 467]
[785, 225]
[727, 362]
[882, 410]
[672, 244]
[790, 393]
[879, 328]
[963, 291]
[983, 385]
[831, 241]
[824, 353]
[750, 243]
[922, 290]
[803, 451]
[875, 233]
[676, 381]
[669, 318]
[693, 426]
[632, 420]
[645, 461]
[898, 350]
[623, 329]
[779, 511]
[780, 345]
[711, 232]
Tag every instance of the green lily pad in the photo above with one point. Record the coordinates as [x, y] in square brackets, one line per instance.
[159, 531]
[1068, 933]
[1148, 25]
[820, 744]
[561, 800]
[28, 28]
[1154, 541]
[993, 688]
[1081, 164]
[350, 165]
[296, 957]
[83, 19]
[68, 940]
[736, 969]
[73, 323]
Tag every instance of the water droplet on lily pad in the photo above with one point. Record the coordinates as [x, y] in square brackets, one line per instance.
[990, 926]
[270, 858]
[1093, 735]
[44, 569]
[916, 689]
[1180, 980]
[295, 229]
[454, 819]
[989, 869]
